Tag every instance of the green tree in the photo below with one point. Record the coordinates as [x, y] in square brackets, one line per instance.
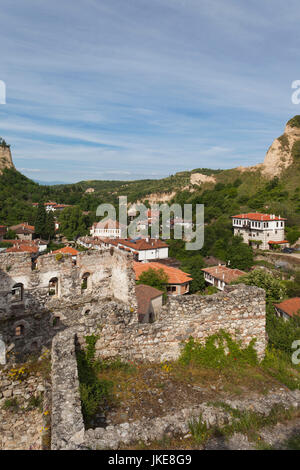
[72, 222]
[275, 288]
[41, 221]
[10, 235]
[239, 254]
[50, 226]
[292, 234]
[156, 278]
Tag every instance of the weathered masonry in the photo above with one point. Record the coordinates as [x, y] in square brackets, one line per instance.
[239, 309]
[97, 296]
[37, 301]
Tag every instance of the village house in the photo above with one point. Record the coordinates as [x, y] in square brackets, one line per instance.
[29, 246]
[143, 249]
[24, 231]
[52, 206]
[110, 229]
[178, 281]
[288, 308]
[264, 231]
[67, 250]
[23, 247]
[149, 302]
[220, 276]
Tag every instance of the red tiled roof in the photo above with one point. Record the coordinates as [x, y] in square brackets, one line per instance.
[22, 247]
[23, 227]
[175, 276]
[290, 306]
[67, 250]
[142, 244]
[144, 294]
[223, 273]
[257, 216]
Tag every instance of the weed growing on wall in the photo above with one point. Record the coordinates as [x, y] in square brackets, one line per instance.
[94, 392]
[218, 351]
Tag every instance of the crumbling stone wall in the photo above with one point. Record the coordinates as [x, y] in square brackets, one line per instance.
[40, 315]
[240, 310]
[67, 426]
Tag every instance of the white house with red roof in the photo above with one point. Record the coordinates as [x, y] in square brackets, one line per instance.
[263, 231]
[144, 249]
[221, 276]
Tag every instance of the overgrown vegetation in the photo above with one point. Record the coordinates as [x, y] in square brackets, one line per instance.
[219, 351]
[94, 392]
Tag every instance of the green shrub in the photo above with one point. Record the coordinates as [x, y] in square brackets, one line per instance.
[11, 404]
[295, 121]
[35, 402]
[279, 366]
[199, 430]
[219, 351]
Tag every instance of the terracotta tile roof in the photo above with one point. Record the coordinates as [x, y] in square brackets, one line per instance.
[24, 227]
[142, 244]
[67, 250]
[223, 273]
[144, 294]
[257, 216]
[290, 306]
[22, 247]
[175, 276]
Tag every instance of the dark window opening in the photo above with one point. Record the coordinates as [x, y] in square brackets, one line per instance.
[17, 292]
[53, 286]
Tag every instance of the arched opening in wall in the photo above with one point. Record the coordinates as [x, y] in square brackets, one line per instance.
[53, 286]
[17, 292]
[85, 281]
[87, 312]
[19, 330]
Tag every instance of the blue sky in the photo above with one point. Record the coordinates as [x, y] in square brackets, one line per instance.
[127, 89]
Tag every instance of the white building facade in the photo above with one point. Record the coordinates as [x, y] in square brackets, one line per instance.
[262, 231]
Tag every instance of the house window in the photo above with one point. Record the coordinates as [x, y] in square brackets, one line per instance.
[17, 292]
[19, 330]
[171, 288]
[53, 286]
[84, 284]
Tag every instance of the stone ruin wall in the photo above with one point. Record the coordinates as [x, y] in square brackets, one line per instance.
[111, 281]
[240, 310]
[107, 308]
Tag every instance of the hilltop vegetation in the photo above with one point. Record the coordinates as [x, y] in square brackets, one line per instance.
[234, 191]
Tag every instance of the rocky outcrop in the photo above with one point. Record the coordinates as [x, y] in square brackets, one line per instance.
[280, 154]
[199, 178]
[5, 158]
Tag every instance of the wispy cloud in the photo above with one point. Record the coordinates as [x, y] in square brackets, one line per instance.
[145, 88]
